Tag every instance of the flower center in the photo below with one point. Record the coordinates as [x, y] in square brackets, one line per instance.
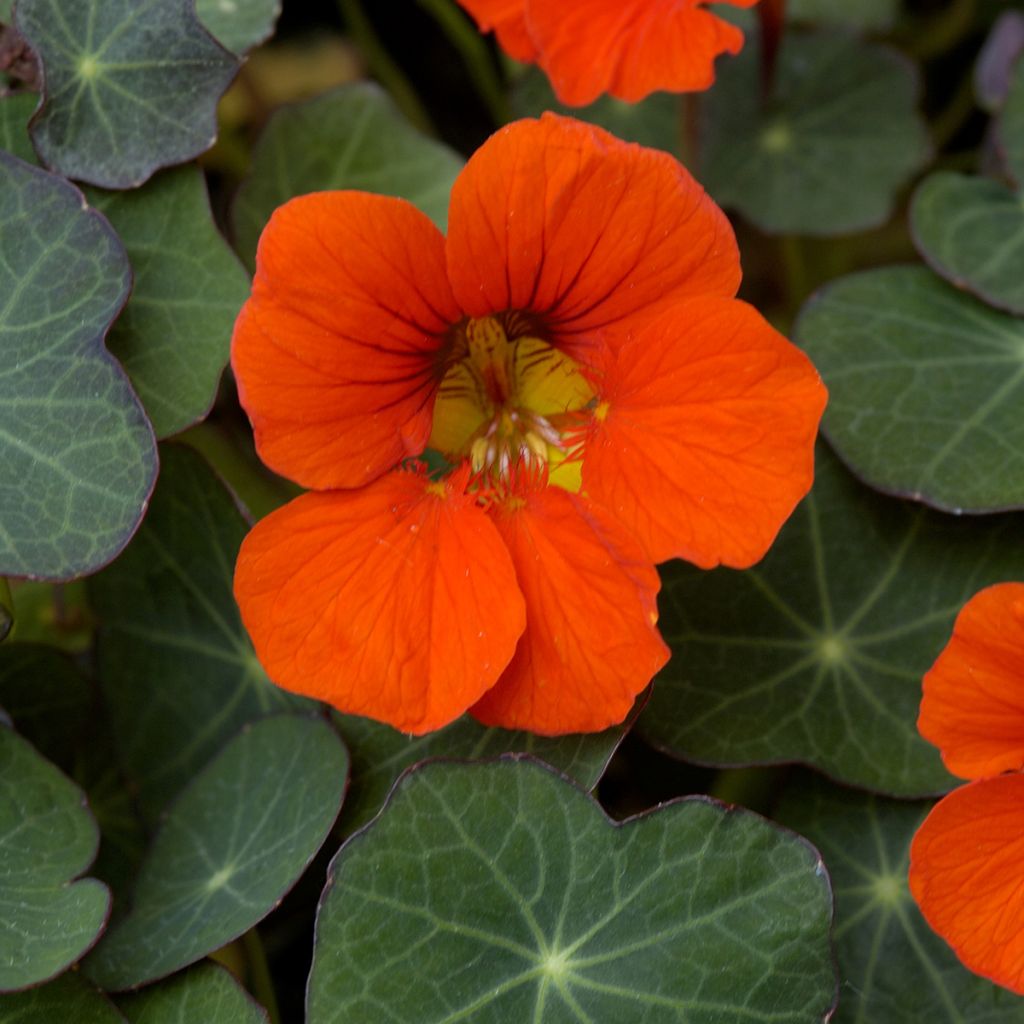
[509, 403]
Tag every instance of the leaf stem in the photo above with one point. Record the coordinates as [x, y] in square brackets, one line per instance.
[952, 117]
[384, 69]
[259, 975]
[754, 788]
[944, 32]
[772, 16]
[475, 55]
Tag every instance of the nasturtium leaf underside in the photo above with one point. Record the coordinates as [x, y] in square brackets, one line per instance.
[971, 231]
[228, 849]
[77, 458]
[175, 663]
[1011, 124]
[69, 999]
[47, 839]
[238, 25]
[816, 653]
[500, 892]
[353, 137]
[876, 15]
[654, 121]
[926, 387]
[892, 966]
[380, 754]
[130, 86]
[204, 994]
[174, 335]
[828, 152]
[14, 114]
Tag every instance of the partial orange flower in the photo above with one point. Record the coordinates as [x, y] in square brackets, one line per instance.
[627, 48]
[574, 357]
[967, 858]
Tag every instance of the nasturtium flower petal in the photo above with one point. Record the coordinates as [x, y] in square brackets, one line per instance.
[966, 876]
[507, 18]
[581, 231]
[590, 644]
[397, 601]
[339, 351]
[703, 438]
[629, 48]
[973, 703]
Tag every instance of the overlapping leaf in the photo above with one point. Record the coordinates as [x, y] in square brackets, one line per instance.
[498, 892]
[816, 654]
[47, 839]
[892, 966]
[78, 458]
[204, 993]
[380, 754]
[925, 385]
[876, 15]
[228, 849]
[130, 86]
[175, 663]
[1011, 124]
[173, 336]
[352, 137]
[239, 24]
[70, 999]
[971, 231]
[828, 152]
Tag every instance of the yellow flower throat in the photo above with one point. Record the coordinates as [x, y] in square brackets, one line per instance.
[507, 404]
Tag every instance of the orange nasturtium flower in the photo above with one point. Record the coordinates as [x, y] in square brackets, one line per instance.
[628, 48]
[574, 351]
[967, 858]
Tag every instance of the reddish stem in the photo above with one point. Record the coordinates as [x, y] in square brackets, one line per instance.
[773, 17]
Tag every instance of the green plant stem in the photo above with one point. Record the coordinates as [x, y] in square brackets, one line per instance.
[477, 58]
[944, 32]
[7, 604]
[794, 264]
[753, 788]
[949, 121]
[384, 69]
[259, 975]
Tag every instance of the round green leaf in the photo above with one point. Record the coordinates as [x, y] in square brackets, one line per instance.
[77, 458]
[205, 993]
[70, 999]
[239, 25]
[380, 754]
[499, 892]
[350, 138]
[971, 231]
[47, 839]
[174, 335]
[816, 654]
[175, 664]
[828, 152]
[926, 387]
[6, 9]
[873, 15]
[230, 847]
[129, 86]
[892, 966]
